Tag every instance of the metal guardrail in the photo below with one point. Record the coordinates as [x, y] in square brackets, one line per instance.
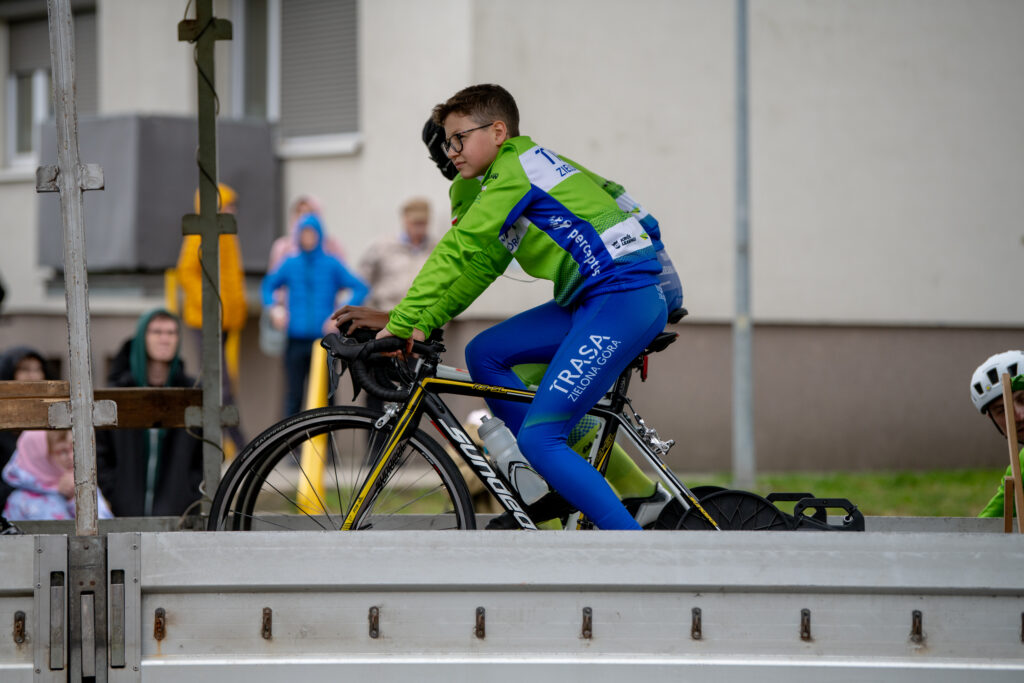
[603, 606]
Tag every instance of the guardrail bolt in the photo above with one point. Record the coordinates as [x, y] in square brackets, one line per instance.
[916, 627]
[480, 630]
[805, 624]
[19, 627]
[160, 624]
[267, 627]
[588, 623]
[374, 617]
[696, 630]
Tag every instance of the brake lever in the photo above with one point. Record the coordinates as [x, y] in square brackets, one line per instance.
[334, 375]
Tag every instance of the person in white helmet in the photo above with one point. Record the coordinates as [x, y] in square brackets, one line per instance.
[987, 396]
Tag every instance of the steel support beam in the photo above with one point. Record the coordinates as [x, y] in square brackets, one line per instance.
[70, 177]
[203, 32]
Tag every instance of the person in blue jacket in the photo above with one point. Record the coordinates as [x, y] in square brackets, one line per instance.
[314, 280]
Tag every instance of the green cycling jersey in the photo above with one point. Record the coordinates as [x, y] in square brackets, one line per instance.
[559, 221]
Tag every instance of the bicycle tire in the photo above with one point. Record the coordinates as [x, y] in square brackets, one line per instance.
[262, 488]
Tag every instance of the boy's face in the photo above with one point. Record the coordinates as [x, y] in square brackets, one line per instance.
[998, 413]
[308, 239]
[479, 147]
[162, 339]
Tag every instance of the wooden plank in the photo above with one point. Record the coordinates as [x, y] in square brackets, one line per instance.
[137, 407]
[1011, 440]
[51, 389]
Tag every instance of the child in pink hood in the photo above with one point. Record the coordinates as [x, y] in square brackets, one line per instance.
[42, 472]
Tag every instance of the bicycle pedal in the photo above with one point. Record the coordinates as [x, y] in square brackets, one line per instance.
[504, 521]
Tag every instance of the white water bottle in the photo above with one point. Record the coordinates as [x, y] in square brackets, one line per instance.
[500, 443]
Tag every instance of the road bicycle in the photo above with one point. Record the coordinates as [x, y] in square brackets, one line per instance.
[352, 468]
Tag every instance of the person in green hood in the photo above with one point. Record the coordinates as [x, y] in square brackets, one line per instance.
[145, 472]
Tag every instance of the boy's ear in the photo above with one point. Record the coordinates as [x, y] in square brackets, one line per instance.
[500, 131]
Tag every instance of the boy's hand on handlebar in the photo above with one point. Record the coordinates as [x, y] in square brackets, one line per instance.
[360, 317]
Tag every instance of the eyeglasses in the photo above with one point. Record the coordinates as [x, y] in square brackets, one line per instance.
[454, 143]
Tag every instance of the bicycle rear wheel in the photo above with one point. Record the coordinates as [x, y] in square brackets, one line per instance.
[306, 472]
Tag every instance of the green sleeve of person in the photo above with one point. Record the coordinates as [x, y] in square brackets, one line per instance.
[479, 272]
[995, 506]
[464, 258]
[461, 194]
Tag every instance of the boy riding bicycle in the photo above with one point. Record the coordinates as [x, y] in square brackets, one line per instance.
[607, 304]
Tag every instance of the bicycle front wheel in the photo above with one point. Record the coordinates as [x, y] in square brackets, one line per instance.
[306, 473]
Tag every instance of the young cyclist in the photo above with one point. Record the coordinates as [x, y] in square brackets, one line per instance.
[987, 396]
[642, 497]
[607, 303]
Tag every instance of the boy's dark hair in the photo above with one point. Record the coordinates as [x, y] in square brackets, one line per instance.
[482, 103]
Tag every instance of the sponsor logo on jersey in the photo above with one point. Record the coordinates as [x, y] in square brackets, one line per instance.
[584, 366]
[559, 222]
[513, 237]
[589, 259]
[544, 168]
[625, 238]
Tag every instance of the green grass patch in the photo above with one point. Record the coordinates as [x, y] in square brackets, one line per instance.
[937, 493]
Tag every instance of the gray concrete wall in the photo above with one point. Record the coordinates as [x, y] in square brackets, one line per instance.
[826, 398]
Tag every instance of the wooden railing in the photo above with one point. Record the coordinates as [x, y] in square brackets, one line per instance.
[26, 405]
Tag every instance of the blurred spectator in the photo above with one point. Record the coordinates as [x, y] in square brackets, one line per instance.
[314, 279]
[42, 473]
[22, 364]
[150, 471]
[288, 245]
[232, 297]
[987, 396]
[392, 262]
[274, 340]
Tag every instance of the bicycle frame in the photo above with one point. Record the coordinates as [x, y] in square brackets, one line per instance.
[425, 400]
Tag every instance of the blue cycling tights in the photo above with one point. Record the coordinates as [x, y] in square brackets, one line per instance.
[586, 346]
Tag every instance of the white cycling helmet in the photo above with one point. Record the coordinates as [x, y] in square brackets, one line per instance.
[986, 385]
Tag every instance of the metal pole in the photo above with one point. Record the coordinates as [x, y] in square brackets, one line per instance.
[743, 468]
[70, 177]
[204, 31]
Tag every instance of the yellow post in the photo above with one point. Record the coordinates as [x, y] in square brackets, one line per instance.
[232, 354]
[171, 291]
[314, 451]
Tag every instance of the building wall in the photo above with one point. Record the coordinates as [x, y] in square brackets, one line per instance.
[828, 398]
[144, 68]
[884, 217]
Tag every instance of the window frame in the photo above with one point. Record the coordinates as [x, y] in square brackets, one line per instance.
[287, 147]
[41, 112]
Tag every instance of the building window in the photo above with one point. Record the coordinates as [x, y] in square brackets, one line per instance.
[29, 83]
[300, 65]
[252, 22]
